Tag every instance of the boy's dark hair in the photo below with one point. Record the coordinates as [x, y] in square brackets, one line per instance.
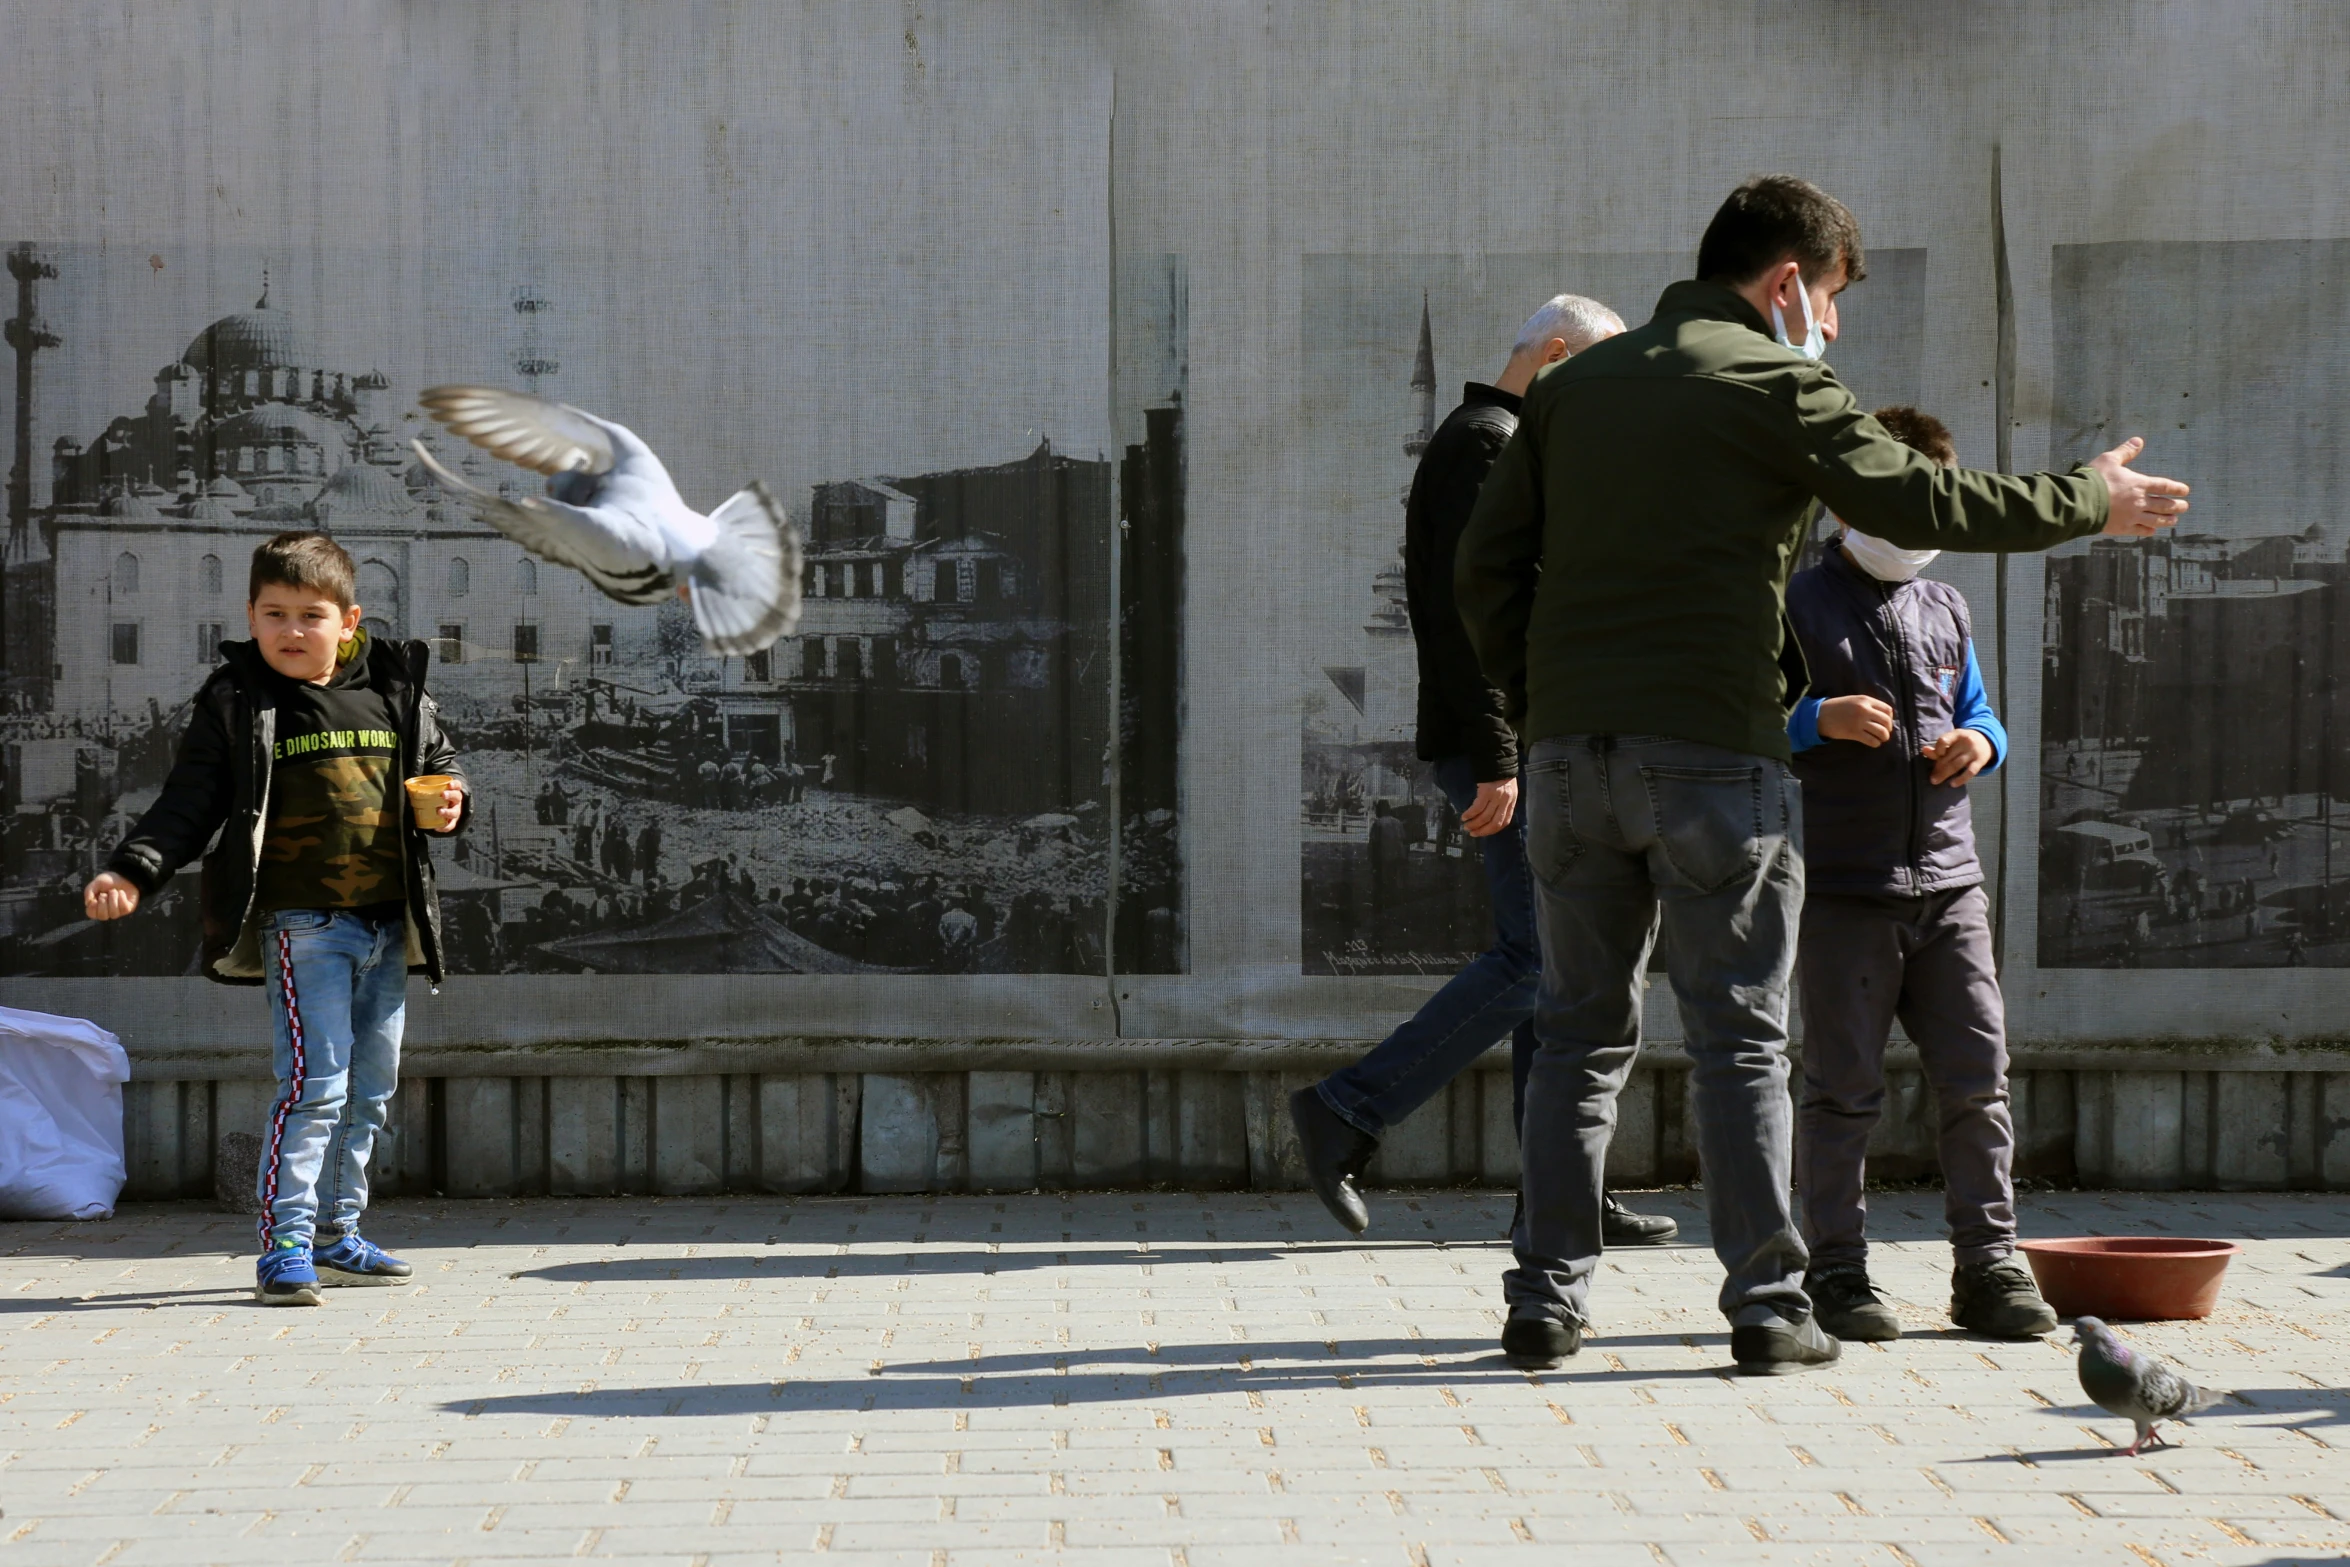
[304, 559]
[1773, 217]
[1921, 431]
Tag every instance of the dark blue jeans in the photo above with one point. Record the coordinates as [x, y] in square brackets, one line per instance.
[1617, 829]
[1491, 997]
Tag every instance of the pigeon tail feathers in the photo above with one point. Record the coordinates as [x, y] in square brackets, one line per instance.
[745, 586]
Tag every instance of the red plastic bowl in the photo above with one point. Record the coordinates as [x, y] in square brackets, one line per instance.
[2130, 1278]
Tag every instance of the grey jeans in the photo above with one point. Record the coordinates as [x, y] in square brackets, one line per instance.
[1619, 828]
[1928, 962]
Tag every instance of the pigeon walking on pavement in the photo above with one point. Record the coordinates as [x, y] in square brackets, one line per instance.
[2142, 1388]
[614, 516]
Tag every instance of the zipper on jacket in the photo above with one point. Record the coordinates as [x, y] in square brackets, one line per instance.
[1914, 848]
[411, 851]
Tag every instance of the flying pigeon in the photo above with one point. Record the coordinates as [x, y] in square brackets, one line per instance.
[615, 516]
[2139, 1387]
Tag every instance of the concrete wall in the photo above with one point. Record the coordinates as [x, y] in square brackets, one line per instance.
[704, 1123]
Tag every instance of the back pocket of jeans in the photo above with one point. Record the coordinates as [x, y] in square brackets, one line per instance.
[1551, 844]
[1709, 822]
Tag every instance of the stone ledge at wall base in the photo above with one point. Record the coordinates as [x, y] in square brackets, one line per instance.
[912, 1116]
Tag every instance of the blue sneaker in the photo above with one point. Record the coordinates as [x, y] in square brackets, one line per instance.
[352, 1259]
[284, 1276]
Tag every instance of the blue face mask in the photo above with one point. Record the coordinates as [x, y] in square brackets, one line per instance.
[1815, 343]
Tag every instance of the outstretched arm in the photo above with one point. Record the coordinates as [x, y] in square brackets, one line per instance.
[1887, 489]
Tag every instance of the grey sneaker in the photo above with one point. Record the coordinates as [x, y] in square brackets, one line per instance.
[1999, 1300]
[1777, 1347]
[1847, 1306]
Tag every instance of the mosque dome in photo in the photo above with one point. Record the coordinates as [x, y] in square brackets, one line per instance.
[276, 439]
[255, 339]
[362, 489]
[129, 505]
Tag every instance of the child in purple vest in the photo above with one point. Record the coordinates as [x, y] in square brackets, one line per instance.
[1895, 920]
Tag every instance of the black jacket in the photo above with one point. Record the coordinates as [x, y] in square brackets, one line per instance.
[1874, 821]
[219, 783]
[1460, 715]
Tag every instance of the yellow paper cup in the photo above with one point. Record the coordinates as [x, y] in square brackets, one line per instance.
[424, 798]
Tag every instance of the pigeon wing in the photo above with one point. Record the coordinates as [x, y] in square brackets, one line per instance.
[2108, 1380]
[530, 432]
[571, 536]
[2162, 1392]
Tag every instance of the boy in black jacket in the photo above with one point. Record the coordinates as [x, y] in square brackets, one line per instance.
[1895, 921]
[304, 753]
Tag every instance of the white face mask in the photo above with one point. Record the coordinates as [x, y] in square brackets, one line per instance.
[1886, 562]
[1815, 342]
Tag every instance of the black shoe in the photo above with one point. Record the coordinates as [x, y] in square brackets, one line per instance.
[1334, 1154]
[1998, 1299]
[1539, 1343]
[1620, 1226]
[1846, 1304]
[1777, 1347]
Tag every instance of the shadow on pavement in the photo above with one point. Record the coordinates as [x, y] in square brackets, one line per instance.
[897, 1259]
[17, 1306]
[1097, 1377]
[2331, 1404]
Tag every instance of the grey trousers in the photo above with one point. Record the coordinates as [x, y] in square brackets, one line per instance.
[1623, 831]
[1927, 961]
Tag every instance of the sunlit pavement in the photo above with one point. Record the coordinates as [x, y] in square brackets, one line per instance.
[1164, 1379]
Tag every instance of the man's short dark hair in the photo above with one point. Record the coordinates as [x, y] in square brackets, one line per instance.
[306, 560]
[1921, 431]
[1772, 218]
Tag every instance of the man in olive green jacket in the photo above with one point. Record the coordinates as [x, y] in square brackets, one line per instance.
[1622, 579]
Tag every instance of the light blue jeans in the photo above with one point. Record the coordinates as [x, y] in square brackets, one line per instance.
[338, 993]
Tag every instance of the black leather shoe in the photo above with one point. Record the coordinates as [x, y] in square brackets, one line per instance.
[1777, 1347]
[1539, 1343]
[1620, 1226]
[1334, 1154]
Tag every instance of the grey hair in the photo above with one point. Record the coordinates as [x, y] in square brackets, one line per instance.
[1582, 322]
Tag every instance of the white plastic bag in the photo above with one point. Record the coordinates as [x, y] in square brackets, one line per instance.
[60, 1117]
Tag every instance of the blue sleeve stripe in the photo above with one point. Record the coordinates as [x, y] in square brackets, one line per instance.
[1972, 709]
[1803, 725]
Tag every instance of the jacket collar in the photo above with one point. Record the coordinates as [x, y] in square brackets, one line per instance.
[1709, 301]
[1476, 394]
[392, 665]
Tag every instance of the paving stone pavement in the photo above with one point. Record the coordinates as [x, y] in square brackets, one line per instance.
[1178, 1380]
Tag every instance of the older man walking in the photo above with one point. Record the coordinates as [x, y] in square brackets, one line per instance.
[1623, 580]
[1468, 744]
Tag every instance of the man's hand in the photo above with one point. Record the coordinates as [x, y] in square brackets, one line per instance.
[1861, 718]
[1958, 756]
[109, 897]
[2139, 503]
[452, 807]
[1494, 808]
